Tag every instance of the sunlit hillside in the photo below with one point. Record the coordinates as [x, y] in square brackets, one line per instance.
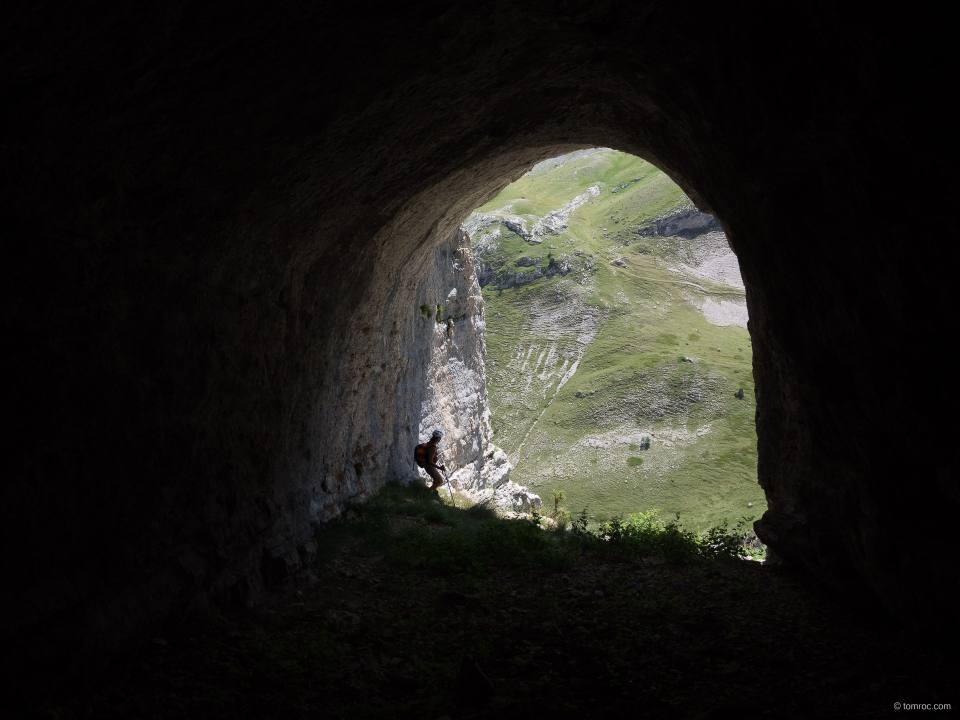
[617, 342]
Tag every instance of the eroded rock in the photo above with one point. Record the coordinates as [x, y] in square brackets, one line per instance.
[688, 222]
[445, 383]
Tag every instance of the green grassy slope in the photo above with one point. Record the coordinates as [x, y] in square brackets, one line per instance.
[584, 364]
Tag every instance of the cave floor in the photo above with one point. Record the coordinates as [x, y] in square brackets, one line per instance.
[596, 638]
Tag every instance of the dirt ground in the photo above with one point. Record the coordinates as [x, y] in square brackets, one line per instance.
[604, 638]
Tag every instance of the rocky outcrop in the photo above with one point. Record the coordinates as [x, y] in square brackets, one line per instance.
[491, 272]
[688, 222]
[445, 384]
[518, 225]
[553, 223]
[489, 227]
[556, 221]
[507, 497]
[511, 497]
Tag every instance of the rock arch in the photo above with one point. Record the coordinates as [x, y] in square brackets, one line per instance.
[215, 220]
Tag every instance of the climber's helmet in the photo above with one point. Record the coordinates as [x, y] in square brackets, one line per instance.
[437, 434]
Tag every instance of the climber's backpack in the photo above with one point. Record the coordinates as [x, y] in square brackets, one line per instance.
[420, 455]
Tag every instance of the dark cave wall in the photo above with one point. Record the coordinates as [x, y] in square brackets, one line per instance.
[214, 219]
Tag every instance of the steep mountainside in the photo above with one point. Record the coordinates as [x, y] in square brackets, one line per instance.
[617, 342]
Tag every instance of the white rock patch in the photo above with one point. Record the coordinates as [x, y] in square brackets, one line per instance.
[725, 312]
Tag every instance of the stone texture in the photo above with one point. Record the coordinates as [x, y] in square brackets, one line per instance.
[216, 221]
[506, 497]
[510, 497]
[443, 381]
[689, 221]
[446, 379]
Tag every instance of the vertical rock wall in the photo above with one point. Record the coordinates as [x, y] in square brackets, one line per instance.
[444, 384]
[420, 373]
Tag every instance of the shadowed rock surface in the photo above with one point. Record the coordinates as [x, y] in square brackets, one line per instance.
[214, 220]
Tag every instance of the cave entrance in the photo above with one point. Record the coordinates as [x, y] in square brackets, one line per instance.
[619, 364]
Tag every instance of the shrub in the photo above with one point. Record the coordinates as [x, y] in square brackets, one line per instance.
[634, 461]
[646, 533]
[558, 497]
[579, 524]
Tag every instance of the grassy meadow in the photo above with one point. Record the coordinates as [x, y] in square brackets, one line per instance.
[607, 381]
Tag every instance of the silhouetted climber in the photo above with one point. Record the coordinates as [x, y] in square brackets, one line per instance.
[426, 456]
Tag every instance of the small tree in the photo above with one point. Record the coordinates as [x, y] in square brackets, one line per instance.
[559, 514]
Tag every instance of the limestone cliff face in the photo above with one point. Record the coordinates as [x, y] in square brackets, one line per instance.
[446, 380]
[424, 355]
[437, 355]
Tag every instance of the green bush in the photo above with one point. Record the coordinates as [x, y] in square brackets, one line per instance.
[559, 514]
[643, 534]
[634, 461]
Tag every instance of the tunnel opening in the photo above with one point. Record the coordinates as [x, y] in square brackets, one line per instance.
[610, 271]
